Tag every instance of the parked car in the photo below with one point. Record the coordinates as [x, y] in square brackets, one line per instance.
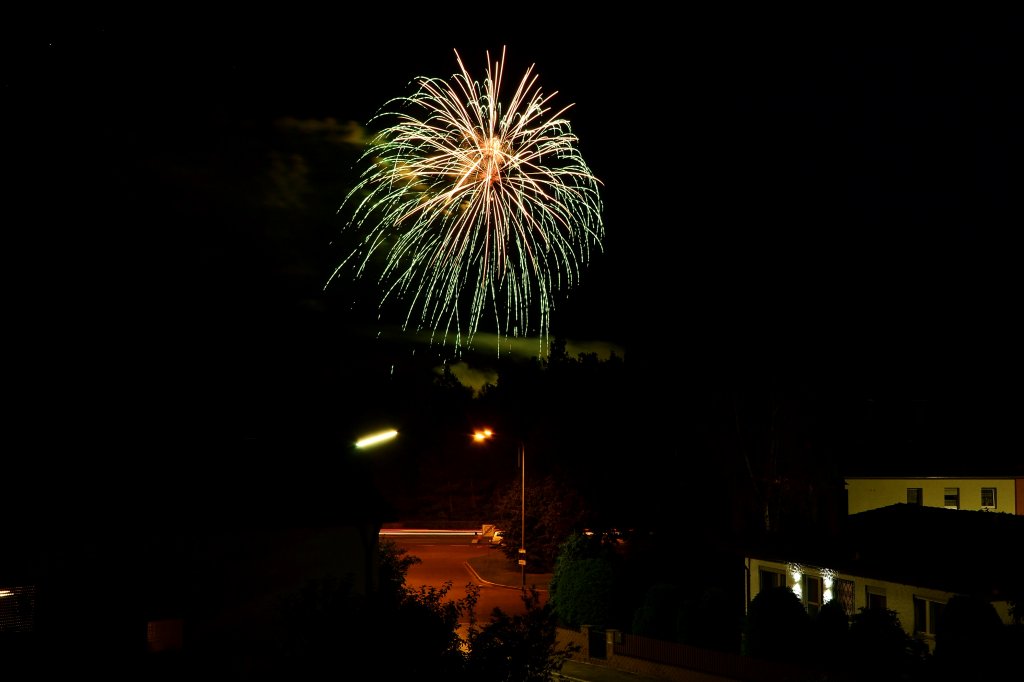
[498, 538]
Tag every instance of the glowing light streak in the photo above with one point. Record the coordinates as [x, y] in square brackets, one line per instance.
[376, 438]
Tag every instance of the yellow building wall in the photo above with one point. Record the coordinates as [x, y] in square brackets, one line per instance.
[871, 493]
[899, 598]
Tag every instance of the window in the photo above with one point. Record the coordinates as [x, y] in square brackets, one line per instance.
[844, 591]
[951, 498]
[915, 496]
[988, 498]
[17, 608]
[164, 635]
[812, 594]
[926, 616]
[875, 598]
[770, 579]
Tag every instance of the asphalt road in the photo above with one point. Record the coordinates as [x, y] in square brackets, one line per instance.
[456, 559]
[453, 557]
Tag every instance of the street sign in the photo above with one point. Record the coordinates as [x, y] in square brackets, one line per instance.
[522, 562]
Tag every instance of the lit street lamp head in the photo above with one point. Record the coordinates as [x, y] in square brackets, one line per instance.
[376, 438]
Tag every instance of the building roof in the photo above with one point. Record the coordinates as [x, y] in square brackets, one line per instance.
[958, 551]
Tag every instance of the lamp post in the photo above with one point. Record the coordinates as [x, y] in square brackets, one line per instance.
[369, 540]
[480, 435]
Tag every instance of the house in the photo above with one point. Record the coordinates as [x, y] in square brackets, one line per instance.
[909, 558]
[108, 575]
[992, 493]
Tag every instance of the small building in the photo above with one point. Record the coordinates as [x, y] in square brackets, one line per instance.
[989, 493]
[909, 558]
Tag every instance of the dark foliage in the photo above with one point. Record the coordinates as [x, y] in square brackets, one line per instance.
[879, 647]
[831, 630]
[656, 617]
[971, 640]
[777, 627]
[327, 625]
[582, 586]
[517, 648]
[407, 633]
[553, 511]
[708, 619]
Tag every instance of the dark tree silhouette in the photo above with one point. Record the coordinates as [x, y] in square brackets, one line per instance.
[707, 619]
[517, 648]
[326, 623]
[970, 640]
[777, 627]
[657, 616]
[406, 633]
[879, 647]
[583, 584]
[553, 512]
[831, 629]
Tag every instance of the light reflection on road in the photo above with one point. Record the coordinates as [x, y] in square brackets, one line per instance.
[425, 531]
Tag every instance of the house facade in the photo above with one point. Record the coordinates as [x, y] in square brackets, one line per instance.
[997, 493]
[918, 608]
[899, 557]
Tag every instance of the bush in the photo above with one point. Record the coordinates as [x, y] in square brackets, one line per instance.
[658, 616]
[881, 648]
[970, 639]
[777, 627]
[831, 631]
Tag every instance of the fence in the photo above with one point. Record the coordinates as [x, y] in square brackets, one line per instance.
[673, 662]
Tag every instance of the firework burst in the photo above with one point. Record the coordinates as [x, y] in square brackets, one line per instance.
[473, 207]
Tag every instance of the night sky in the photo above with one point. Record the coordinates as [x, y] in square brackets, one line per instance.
[785, 206]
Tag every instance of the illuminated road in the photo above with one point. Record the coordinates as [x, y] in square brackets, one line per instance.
[444, 555]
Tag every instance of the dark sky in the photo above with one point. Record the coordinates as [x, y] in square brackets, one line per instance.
[785, 203]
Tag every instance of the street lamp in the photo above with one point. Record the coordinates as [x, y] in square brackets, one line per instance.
[480, 435]
[374, 439]
[368, 539]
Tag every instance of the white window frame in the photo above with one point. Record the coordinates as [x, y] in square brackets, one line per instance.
[778, 573]
[808, 604]
[929, 616]
[994, 499]
[948, 493]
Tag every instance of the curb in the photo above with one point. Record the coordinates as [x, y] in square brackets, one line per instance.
[477, 577]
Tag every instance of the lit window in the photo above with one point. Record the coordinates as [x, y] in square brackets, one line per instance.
[951, 498]
[845, 594]
[988, 498]
[915, 496]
